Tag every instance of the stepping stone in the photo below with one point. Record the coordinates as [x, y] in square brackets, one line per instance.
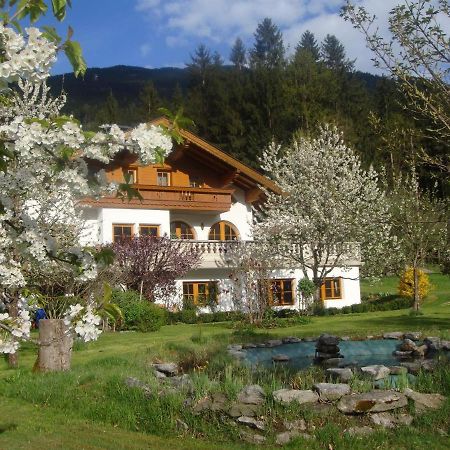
[376, 372]
[252, 395]
[331, 391]
[341, 374]
[251, 422]
[234, 347]
[371, 402]
[250, 345]
[297, 425]
[393, 335]
[274, 343]
[299, 396]
[169, 369]
[423, 402]
[291, 340]
[281, 358]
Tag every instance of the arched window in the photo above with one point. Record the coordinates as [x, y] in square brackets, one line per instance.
[181, 230]
[223, 231]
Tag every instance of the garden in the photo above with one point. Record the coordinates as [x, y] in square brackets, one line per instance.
[111, 397]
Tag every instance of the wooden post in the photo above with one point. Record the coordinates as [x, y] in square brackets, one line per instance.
[55, 346]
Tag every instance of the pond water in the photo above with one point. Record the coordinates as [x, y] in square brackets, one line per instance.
[301, 354]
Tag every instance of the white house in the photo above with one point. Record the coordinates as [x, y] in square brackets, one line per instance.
[204, 196]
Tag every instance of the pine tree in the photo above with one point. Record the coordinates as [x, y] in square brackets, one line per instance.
[149, 101]
[309, 44]
[334, 56]
[201, 62]
[268, 50]
[238, 54]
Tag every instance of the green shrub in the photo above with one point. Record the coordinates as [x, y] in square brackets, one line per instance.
[139, 315]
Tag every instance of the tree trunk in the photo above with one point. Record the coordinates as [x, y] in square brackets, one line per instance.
[13, 311]
[416, 288]
[55, 346]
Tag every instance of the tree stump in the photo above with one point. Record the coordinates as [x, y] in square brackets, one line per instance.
[55, 346]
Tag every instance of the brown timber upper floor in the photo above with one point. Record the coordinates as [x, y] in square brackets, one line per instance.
[171, 197]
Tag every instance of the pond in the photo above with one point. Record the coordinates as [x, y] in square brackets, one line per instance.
[301, 355]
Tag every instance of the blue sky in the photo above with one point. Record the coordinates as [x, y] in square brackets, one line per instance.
[157, 33]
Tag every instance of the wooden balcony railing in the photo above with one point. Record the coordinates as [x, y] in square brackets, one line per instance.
[172, 197]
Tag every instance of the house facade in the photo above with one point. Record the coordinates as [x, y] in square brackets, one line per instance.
[204, 197]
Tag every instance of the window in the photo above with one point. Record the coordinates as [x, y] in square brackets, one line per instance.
[331, 288]
[122, 232]
[132, 174]
[149, 230]
[181, 230]
[223, 231]
[162, 178]
[281, 292]
[199, 292]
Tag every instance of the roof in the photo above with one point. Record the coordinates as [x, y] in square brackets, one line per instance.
[243, 173]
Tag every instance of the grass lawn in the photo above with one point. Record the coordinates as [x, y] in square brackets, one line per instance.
[90, 408]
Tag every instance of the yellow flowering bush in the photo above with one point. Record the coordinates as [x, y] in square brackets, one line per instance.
[406, 284]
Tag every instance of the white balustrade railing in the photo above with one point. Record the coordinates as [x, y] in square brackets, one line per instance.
[348, 250]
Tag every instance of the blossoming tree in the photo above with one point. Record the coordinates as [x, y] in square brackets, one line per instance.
[150, 265]
[44, 176]
[328, 202]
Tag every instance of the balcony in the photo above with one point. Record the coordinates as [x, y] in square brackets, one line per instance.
[216, 254]
[173, 198]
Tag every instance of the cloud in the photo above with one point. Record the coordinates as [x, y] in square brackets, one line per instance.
[183, 22]
[144, 49]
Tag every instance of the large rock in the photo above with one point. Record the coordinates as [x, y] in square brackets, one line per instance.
[327, 348]
[374, 401]
[408, 346]
[252, 395]
[398, 370]
[217, 402]
[328, 339]
[341, 374]
[331, 391]
[242, 409]
[376, 372]
[445, 345]
[413, 335]
[252, 438]
[251, 422]
[388, 420]
[133, 382]
[393, 335]
[332, 362]
[291, 340]
[299, 396]
[423, 402]
[169, 369]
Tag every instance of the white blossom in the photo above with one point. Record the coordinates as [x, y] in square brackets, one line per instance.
[42, 192]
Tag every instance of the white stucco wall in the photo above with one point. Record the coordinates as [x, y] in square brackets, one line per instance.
[240, 215]
[109, 216]
[350, 287]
